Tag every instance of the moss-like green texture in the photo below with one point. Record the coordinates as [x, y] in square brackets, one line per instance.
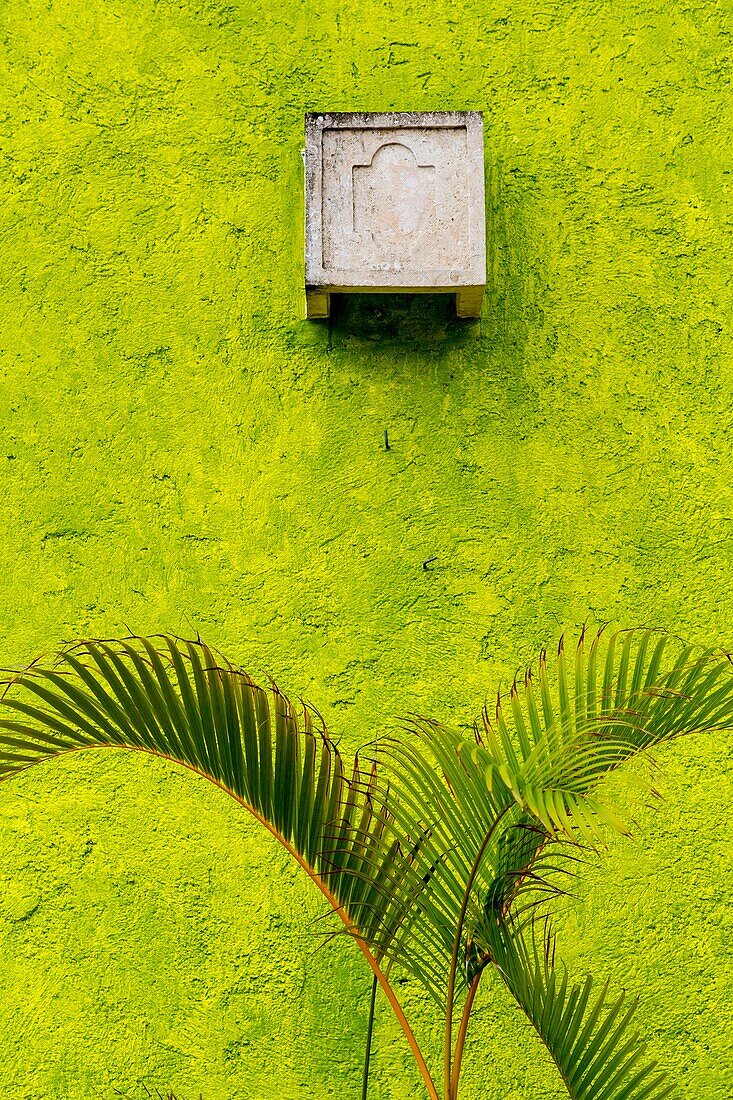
[182, 451]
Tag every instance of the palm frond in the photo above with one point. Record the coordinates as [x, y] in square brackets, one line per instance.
[589, 1034]
[567, 728]
[539, 765]
[182, 701]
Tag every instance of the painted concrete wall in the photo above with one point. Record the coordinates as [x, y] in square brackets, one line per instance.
[181, 451]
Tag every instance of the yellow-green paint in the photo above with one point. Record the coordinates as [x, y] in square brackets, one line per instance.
[181, 451]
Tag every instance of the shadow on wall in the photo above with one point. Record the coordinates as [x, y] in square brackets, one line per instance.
[423, 319]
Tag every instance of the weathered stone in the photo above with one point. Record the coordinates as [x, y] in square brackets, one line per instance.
[395, 202]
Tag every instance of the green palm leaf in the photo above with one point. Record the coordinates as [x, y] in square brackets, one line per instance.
[539, 763]
[589, 1035]
[181, 701]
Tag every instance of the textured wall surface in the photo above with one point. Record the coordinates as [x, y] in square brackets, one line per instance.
[180, 450]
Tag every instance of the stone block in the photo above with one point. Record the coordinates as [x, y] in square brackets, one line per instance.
[395, 203]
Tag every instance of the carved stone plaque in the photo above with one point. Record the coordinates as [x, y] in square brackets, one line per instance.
[395, 202]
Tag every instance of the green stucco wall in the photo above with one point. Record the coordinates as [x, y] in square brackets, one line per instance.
[181, 451]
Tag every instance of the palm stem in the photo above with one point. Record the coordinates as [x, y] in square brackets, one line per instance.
[462, 1032]
[370, 1031]
[451, 993]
